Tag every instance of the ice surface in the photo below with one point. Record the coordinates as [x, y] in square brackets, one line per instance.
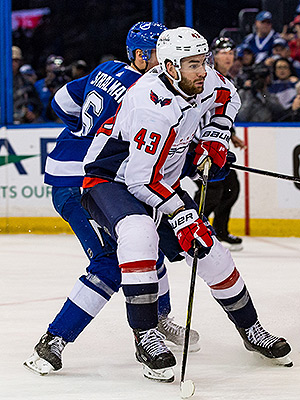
[38, 272]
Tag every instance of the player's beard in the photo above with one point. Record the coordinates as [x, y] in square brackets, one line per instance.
[189, 87]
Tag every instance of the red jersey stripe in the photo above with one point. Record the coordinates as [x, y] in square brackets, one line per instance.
[176, 184]
[90, 182]
[161, 189]
[108, 125]
[155, 185]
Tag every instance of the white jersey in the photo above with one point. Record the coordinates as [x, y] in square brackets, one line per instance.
[144, 146]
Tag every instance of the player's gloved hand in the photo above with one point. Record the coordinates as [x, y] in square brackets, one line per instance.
[188, 227]
[231, 158]
[224, 171]
[189, 168]
[215, 151]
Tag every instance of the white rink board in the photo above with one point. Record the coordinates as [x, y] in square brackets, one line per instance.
[22, 191]
[272, 149]
[23, 194]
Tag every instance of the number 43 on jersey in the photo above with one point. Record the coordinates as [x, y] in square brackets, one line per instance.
[147, 142]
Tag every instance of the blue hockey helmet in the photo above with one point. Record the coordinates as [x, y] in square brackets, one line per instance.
[143, 35]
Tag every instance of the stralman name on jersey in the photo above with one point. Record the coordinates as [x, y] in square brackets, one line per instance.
[110, 85]
[83, 105]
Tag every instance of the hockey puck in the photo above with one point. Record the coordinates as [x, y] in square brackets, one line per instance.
[187, 389]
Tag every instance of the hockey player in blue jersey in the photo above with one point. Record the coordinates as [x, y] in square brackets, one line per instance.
[83, 105]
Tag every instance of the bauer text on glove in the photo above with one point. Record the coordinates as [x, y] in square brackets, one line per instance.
[189, 227]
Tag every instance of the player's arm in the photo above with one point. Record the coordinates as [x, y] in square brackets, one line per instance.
[215, 136]
[222, 111]
[68, 101]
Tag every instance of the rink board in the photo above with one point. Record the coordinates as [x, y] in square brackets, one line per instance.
[266, 206]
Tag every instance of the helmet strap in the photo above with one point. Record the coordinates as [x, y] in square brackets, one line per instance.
[142, 71]
[145, 58]
[176, 86]
[175, 82]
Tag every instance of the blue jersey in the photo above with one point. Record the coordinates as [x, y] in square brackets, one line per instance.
[285, 91]
[83, 105]
[261, 47]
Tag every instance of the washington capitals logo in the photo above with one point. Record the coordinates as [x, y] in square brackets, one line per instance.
[159, 100]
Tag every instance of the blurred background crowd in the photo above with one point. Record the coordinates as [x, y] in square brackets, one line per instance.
[55, 42]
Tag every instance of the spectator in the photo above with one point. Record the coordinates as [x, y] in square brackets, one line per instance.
[294, 112]
[79, 69]
[27, 104]
[107, 57]
[258, 104]
[281, 49]
[29, 73]
[246, 59]
[284, 82]
[56, 78]
[261, 41]
[46, 87]
[294, 44]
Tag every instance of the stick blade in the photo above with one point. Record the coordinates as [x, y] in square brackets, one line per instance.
[187, 389]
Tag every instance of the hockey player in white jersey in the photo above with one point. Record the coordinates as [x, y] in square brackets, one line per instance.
[83, 105]
[136, 159]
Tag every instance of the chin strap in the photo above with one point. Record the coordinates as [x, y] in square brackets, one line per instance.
[142, 71]
[176, 86]
[176, 82]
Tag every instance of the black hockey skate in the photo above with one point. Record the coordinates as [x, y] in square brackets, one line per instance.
[155, 356]
[47, 355]
[233, 243]
[257, 339]
[174, 334]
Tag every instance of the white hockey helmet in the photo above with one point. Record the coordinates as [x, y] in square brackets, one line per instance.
[175, 44]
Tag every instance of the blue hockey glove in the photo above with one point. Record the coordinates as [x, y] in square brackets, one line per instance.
[221, 175]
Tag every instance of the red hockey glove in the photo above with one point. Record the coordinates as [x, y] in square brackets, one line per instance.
[189, 227]
[216, 151]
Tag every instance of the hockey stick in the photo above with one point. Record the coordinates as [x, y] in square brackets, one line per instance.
[187, 388]
[267, 173]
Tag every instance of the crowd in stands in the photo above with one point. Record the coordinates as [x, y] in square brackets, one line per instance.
[266, 73]
[32, 96]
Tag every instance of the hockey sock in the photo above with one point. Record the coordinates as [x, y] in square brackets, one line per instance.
[69, 322]
[164, 305]
[141, 305]
[87, 298]
[240, 309]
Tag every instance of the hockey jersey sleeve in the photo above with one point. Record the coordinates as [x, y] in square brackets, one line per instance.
[223, 111]
[68, 101]
[152, 136]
